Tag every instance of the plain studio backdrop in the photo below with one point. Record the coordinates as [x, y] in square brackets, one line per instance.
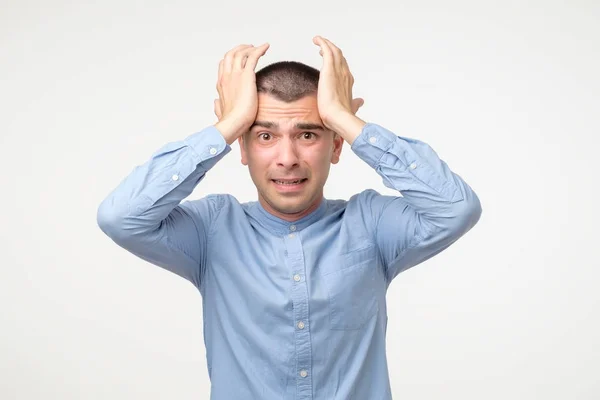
[505, 92]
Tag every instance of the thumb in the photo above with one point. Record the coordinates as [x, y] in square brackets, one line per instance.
[218, 108]
[356, 104]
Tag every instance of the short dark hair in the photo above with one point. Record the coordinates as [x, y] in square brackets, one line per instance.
[287, 80]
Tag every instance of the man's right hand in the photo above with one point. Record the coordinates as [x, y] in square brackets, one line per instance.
[237, 104]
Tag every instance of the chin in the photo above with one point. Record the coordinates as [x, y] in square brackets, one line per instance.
[288, 204]
[286, 207]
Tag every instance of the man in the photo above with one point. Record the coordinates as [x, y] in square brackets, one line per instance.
[293, 285]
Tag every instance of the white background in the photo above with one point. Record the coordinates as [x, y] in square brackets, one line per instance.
[506, 92]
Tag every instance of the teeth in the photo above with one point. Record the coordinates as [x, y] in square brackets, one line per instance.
[288, 183]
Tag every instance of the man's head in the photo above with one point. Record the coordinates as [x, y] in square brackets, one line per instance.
[288, 150]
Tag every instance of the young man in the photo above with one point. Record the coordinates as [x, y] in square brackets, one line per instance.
[293, 285]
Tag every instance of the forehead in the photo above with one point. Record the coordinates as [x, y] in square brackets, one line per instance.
[274, 110]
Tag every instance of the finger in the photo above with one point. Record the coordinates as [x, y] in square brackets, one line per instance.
[240, 57]
[229, 56]
[320, 41]
[253, 57]
[234, 50]
[245, 54]
[333, 47]
[337, 52]
[325, 51]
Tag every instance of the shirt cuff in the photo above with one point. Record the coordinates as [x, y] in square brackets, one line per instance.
[208, 143]
[373, 143]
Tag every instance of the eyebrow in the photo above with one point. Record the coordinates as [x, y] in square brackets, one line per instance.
[299, 125]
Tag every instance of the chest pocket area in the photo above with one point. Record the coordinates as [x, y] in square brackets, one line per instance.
[352, 289]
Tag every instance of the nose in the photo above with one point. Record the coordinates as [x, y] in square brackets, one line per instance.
[287, 154]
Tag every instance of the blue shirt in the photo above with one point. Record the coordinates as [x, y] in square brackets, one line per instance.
[292, 310]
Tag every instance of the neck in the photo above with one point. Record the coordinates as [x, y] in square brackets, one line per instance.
[290, 217]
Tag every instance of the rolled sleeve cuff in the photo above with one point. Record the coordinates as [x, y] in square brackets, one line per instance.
[208, 143]
[373, 143]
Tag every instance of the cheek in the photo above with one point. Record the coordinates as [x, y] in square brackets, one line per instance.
[320, 164]
[258, 162]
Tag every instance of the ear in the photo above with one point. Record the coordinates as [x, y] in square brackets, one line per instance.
[338, 143]
[243, 152]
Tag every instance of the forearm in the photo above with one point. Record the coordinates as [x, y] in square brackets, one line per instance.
[425, 181]
[152, 190]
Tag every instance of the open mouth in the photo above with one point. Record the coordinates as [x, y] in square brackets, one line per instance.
[289, 185]
[289, 182]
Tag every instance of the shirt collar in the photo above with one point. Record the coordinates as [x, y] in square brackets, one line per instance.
[281, 226]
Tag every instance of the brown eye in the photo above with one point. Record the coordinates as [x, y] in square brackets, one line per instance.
[308, 135]
[265, 136]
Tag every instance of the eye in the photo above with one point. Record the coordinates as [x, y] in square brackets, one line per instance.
[264, 136]
[308, 135]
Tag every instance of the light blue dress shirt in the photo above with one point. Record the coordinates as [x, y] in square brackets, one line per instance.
[292, 310]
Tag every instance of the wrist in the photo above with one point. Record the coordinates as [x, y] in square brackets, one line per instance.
[231, 130]
[347, 125]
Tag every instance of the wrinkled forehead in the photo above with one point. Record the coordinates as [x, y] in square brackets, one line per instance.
[286, 116]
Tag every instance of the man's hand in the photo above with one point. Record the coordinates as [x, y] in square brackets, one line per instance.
[237, 104]
[337, 108]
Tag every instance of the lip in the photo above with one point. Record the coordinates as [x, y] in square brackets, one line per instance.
[290, 188]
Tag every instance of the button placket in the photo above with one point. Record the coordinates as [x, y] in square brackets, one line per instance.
[299, 293]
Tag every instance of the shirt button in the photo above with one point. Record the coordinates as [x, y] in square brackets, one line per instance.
[291, 235]
[297, 278]
[303, 373]
[213, 150]
[372, 139]
[413, 166]
[175, 177]
[292, 228]
[300, 325]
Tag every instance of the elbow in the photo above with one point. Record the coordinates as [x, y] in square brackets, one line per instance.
[110, 219]
[474, 209]
[454, 220]
[468, 213]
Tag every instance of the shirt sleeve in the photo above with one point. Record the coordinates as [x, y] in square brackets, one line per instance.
[436, 208]
[145, 215]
